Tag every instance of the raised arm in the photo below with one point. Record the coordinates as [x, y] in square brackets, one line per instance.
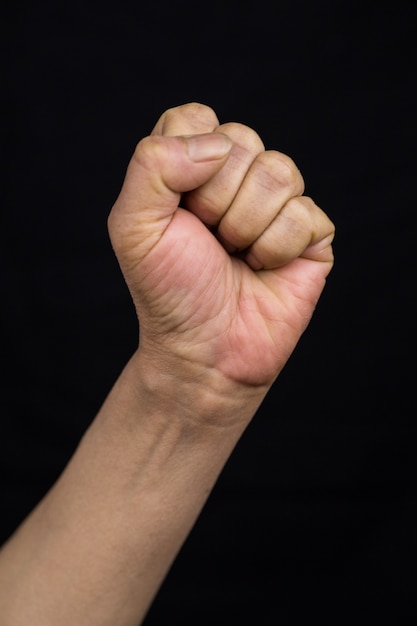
[225, 261]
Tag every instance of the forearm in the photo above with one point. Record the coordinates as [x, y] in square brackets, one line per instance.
[215, 332]
[96, 549]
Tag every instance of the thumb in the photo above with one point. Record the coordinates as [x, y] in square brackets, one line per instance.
[160, 170]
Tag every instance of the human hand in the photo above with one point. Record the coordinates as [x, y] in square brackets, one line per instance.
[224, 258]
[225, 261]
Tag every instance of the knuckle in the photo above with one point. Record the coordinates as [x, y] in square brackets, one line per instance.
[196, 115]
[305, 213]
[280, 169]
[244, 135]
[148, 151]
[301, 207]
[309, 209]
[299, 215]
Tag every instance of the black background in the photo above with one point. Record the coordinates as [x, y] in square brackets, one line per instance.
[313, 520]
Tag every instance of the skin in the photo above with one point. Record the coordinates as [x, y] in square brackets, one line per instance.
[225, 260]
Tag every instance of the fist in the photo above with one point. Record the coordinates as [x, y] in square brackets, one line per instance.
[224, 257]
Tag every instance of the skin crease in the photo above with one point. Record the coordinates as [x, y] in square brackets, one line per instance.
[225, 260]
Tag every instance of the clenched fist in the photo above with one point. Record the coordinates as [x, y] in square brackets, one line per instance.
[223, 255]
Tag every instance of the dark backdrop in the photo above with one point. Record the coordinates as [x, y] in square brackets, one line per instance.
[313, 520]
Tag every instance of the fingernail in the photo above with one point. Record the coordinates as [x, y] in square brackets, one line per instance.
[208, 147]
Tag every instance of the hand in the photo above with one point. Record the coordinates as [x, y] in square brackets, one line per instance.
[224, 258]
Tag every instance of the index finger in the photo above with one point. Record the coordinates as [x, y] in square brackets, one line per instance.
[192, 118]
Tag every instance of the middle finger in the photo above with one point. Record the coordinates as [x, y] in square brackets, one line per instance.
[271, 181]
[212, 200]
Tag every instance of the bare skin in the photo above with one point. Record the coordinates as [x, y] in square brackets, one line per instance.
[225, 260]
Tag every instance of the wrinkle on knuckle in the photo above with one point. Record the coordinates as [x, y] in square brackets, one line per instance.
[299, 211]
[197, 115]
[277, 169]
[247, 138]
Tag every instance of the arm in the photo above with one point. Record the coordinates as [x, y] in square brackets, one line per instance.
[223, 288]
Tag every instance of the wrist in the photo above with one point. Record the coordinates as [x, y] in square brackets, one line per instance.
[198, 399]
